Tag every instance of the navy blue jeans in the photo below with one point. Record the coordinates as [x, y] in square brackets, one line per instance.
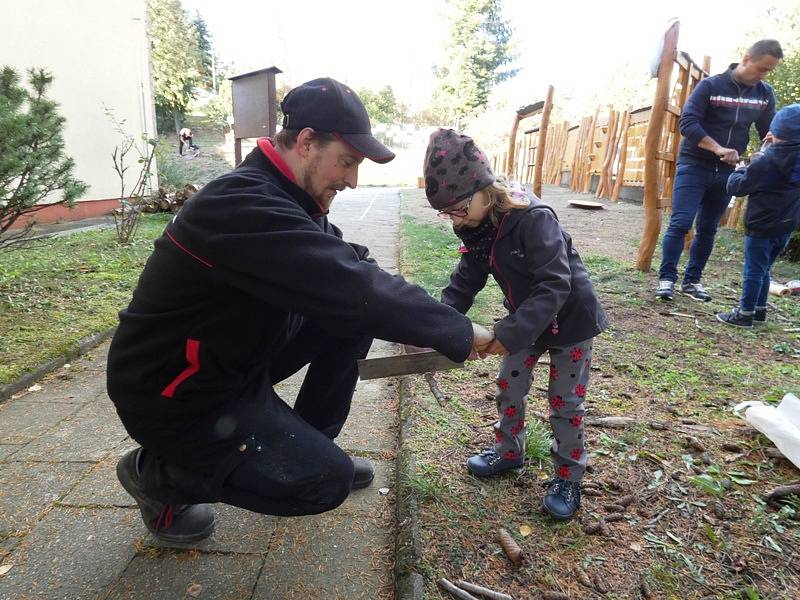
[759, 256]
[699, 191]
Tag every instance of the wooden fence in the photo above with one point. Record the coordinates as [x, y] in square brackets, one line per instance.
[618, 151]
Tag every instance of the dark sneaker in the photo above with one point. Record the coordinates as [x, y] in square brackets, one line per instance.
[665, 290]
[760, 316]
[563, 498]
[173, 523]
[735, 318]
[489, 463]
[695, 291]
[363, 474]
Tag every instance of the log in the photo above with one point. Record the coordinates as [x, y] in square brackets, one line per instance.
[778, 289]
[652, 225]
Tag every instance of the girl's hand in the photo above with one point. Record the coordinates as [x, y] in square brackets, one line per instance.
[496, 347]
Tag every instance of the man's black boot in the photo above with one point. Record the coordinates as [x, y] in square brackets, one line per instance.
[174, 523]
[363, 472]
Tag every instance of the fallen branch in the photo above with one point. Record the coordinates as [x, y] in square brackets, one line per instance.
[437, 393]
[782, 491]
[510, 547]
[486, 592]
[455, 591]
[551, 595]
[624, 422]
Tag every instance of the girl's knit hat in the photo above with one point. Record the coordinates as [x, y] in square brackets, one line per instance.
[786, 123]
[454, 168]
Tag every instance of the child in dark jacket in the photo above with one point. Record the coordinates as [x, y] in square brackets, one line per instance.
[772, 184]
[509, 234]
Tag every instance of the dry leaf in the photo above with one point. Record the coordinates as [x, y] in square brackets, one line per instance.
[5, 569]
[195, 590]
[525, 530]
[383, 491]
[636, 547]
[34, 388]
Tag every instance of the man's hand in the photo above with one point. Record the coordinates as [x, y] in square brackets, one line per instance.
[768, 139]
[727, 155]
[482, 338]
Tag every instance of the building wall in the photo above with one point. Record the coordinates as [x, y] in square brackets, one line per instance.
[98, 53]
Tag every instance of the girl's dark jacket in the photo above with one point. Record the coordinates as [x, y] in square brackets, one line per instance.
[245, 254]
[547, 290]
[772, 182]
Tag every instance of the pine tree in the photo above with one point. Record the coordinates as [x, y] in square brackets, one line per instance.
[34, 170]
[479, 47]
[175, 57]
[204, 50]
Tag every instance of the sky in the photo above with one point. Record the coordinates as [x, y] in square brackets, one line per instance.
[573, 45]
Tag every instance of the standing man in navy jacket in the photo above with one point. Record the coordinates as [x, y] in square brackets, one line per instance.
[249, 283]
[715, 125]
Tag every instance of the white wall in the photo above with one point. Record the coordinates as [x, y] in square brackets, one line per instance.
[98, 53]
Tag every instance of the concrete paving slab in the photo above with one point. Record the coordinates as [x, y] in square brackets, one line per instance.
[236, 531]
[71, 388]
[6, 450]
[27, 489]
[88, 435]
[369, 501]
[21, 422]
[171, 575]
[71, 554]
[100, 487]
[330, 556]
[370, 428]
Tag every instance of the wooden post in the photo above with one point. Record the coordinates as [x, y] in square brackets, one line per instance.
[576, 155]
[540, 148]
[604, 185]
[512, 146]
[587, 174]
[652, 215]
[623, 156]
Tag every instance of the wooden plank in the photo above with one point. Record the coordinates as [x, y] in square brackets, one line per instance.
[667, 156]
[675, 110]
[404, 364]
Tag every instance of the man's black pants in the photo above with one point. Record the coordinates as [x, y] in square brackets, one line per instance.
[290, 465]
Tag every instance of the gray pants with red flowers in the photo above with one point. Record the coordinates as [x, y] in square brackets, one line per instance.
[569, 376]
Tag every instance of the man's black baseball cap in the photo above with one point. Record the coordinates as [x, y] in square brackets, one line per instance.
[326, 105]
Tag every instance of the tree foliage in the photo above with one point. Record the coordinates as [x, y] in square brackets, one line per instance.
[34, 170]
[382, 106]
[479, 51]
[175, 56]
[204, 52]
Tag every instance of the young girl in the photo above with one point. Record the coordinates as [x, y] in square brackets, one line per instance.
[509, 234]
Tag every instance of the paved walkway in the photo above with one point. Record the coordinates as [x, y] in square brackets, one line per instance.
[69, 531]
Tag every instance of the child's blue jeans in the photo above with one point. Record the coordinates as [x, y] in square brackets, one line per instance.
[759, 255]
[699, 191]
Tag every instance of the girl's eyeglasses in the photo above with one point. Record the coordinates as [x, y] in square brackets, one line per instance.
[456, 212]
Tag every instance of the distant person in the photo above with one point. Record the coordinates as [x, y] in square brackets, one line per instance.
[772, 184]
[185, 137]
[509, 234]
[715, 125]
[249, 283]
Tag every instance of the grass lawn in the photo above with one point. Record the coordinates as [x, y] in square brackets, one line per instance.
[698, 526]
[60, 290]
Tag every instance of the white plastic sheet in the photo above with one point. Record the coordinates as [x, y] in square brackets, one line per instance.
[781, 424]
